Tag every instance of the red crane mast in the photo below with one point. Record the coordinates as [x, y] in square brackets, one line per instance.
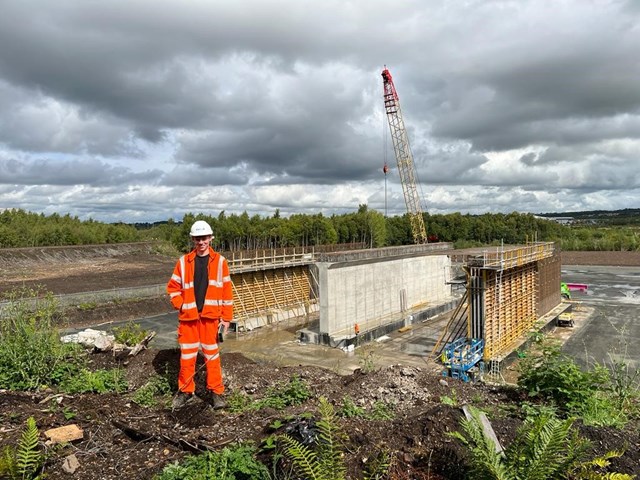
[404, 158]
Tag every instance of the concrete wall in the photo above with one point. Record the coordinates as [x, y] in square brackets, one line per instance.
[378, 291]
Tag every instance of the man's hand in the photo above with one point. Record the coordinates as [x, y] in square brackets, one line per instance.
[225, 325]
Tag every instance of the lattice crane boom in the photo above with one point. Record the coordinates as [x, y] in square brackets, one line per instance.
[404, 158]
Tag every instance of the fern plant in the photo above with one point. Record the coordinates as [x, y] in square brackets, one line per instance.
[325, 462]
[545, 448]
[24, 461]
[592, 469]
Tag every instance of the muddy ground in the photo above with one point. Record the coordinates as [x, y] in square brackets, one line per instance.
[124, 440]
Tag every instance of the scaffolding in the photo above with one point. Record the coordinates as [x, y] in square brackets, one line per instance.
[508, 289]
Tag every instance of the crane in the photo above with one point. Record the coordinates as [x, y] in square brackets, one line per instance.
[404, 158]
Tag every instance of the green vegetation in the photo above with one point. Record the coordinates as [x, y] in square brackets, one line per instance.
[325, 461]
[33, 357]
[544, 448]
[24, 461]
[130, 334]
[23, 229]
[609, 231]
[279, 396]
[31, 354]
[237, 462]
[367, 357]
[602, 396]
[157, 385]
[379, 411]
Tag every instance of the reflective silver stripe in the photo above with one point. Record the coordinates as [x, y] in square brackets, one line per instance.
[188, 306]
[187, 356]
[215, 303]
[185, 346]
[219, 278]
[188, 285]
[226, 279]
[214, 283]
[182, 271]
[218, 303]
[211, 357]
[176, 278]
[209, 346]
[174, 294]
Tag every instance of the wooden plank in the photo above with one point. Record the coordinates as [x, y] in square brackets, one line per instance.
[486, 427]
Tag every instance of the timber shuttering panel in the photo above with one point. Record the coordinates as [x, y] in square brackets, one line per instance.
[273, 294]
[510, 308]
[548, 283]
[509, 290]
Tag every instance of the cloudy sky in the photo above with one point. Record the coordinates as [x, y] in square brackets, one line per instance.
[144, 110]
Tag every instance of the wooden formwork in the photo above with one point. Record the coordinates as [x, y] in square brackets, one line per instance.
[272, 292]
[509, 307]
[548, 283]
[509, 290]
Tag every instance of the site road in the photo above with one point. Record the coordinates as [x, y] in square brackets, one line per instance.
[612, 331]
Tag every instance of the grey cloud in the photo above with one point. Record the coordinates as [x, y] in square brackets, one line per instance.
[75, 172]
[234, 96]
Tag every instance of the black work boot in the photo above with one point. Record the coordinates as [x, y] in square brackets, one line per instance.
[218, 401]
[180, 400]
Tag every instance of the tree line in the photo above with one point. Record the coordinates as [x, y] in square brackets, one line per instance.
[233, 232]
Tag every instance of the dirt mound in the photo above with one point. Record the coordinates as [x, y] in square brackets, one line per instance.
[124, 440]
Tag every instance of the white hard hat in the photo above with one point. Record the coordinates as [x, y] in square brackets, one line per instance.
[200, 228]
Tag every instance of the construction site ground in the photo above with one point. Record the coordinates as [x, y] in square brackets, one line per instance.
[417, 435]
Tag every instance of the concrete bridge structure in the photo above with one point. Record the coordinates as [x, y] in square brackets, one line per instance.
[360, 295]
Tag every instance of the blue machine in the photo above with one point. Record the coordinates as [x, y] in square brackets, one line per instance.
[463, 359]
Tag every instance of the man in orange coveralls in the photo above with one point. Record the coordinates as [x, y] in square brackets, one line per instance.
[200, 289]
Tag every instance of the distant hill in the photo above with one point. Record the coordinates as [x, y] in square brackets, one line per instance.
[627, 216]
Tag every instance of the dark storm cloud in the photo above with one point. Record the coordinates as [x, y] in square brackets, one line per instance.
[279, 103]
[586, 75]
[75, 172]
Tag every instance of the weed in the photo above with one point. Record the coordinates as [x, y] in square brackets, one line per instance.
[368, 358]
[86, 306]
[236, 462]
[451, 401]
[31, 353]
[145, 396]
[350, 410]
[100, 381]
[283, 394]
[68, 414]
[238, 402]
[130, 334]
[381, 411]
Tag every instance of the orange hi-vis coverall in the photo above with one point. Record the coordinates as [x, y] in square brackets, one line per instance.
[199, 330]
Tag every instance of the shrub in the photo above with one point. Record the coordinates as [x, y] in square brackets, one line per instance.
[237, 462]
[545, 447]
[558, 378]
[31, 354]
[130, 334]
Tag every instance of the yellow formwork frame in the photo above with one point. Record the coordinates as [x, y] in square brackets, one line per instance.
[257, 293]
[509, 308]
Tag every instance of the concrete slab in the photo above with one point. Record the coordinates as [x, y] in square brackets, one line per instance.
[612, 331]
